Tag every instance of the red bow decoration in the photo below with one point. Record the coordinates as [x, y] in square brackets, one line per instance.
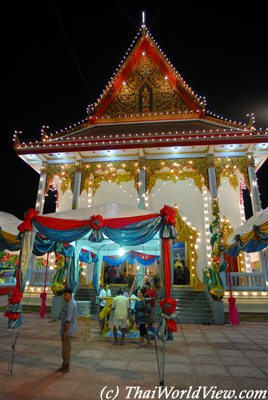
[169, 213]
[16, 297]
[168, 307]
[12, 315]
[96, 222]
[43, 297]
[26, 225]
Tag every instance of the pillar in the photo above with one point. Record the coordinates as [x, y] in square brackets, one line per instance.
[256, 205]
[212, 177]
[255, 195]
[77, 184]
[40, 200]
[142, 183]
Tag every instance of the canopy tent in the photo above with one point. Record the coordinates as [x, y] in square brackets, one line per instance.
[9, 223]
[108, 210]
[250, 237]
[8, 232]
[105, 227]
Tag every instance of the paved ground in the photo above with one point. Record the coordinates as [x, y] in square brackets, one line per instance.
[221, 357]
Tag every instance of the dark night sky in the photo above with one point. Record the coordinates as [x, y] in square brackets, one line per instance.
[58, 56]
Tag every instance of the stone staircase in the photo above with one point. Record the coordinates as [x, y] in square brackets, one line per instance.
[193, 306]
[84, 293]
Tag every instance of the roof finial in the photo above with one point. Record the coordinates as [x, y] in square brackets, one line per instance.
[143, 25]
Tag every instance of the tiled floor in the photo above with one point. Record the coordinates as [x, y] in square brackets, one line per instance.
[221, 357]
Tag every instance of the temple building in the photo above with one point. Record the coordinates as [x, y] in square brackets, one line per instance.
[149, 141]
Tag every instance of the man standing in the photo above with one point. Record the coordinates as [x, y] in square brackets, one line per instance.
[105, 292]
[120, 306]
[68, 328]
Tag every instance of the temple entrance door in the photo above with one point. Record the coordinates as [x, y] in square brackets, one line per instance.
[181, 266]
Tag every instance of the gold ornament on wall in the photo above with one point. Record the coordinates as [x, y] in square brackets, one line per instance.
[182, 169]
[66, 174]
[118, 172]
[229, 168]
[189, 236]
[145, 90]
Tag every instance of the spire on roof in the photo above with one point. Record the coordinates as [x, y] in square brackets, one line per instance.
[143, 17]
[143, 23]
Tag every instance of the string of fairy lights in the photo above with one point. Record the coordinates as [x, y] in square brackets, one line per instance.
[82, 125]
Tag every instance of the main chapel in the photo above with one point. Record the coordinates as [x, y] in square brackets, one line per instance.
[149, 141]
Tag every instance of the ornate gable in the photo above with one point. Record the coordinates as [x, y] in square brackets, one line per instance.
[146, 84]
[146, 90]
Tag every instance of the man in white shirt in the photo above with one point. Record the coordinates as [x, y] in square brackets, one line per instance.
[120, 306]
[105, 291]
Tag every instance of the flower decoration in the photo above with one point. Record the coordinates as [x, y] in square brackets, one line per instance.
[26, 225]
[169, 214]
[96, 222]
[168, 307]
[168, 228]
[14, 308]
[15, 297]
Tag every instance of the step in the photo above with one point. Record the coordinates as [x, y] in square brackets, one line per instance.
[193, 306]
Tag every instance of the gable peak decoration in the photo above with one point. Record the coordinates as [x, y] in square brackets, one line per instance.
[146, 86]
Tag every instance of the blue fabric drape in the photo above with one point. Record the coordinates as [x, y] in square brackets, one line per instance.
[134, 234]
[131, 235]
[130, 258]
[251, 246]
[42, 246]
[62, 236]
[86, 256]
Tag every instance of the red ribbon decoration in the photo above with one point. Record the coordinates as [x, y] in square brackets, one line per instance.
[96, 222]
[16, 297]
[12, 315]
[233, 313]
[169, 213]
[168, 306]
[27, 225]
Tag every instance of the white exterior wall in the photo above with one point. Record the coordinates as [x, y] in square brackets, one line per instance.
[64, 200]
[125, 193]
[85, 199]
[229, 202]
[189, 199]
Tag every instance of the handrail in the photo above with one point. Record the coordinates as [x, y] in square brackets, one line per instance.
[247, 280]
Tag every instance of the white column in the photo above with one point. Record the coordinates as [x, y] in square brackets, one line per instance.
[256, 204]
[77, 185]
[212, 178]
[40, 200]
[255, 195]
[142, 182]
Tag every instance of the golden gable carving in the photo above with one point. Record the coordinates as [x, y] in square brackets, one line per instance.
[145, 90]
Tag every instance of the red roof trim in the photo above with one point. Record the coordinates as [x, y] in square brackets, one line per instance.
[145, 45]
